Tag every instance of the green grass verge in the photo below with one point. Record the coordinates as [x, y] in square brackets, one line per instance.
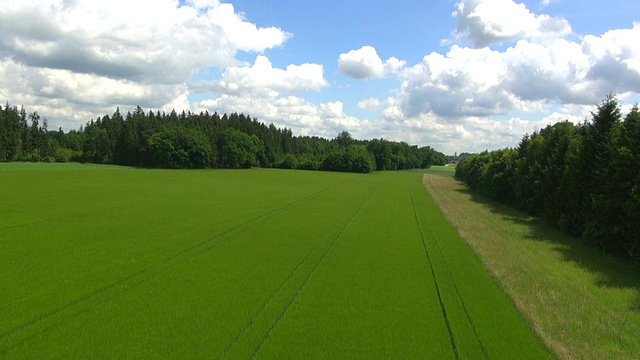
[111, 262]
[584, 304]
[447, 170]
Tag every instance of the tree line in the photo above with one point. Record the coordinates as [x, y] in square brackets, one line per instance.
[199, 140]
[584, 179]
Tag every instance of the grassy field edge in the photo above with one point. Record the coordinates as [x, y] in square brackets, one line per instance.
[582, 304]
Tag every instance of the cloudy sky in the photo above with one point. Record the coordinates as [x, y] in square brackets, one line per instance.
[459, 76]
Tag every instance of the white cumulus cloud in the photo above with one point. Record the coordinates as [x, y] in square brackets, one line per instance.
[365, 63]
[369, 104]
[465, 81]
[471, 99]
[484, 82]
[487, 22]
[296, 113]
[88, 54]
[262, 79]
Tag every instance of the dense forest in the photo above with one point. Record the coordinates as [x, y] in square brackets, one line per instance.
[203, 140]
[585, 178]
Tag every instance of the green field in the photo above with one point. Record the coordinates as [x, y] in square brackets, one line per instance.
[112, 262]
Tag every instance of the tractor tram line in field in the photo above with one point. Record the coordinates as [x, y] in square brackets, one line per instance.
[484, 320]
[355, 214]
[102, 295]
[470, 321]
[57, 317]
[251, 321]
[433, 275]
[461, 300]
[236, 230]
[308, 266]
[423, 222]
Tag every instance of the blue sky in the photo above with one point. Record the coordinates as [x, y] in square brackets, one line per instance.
[464, 75]
[322, 30]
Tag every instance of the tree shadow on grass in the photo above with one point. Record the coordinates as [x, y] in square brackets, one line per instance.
[610, 271]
